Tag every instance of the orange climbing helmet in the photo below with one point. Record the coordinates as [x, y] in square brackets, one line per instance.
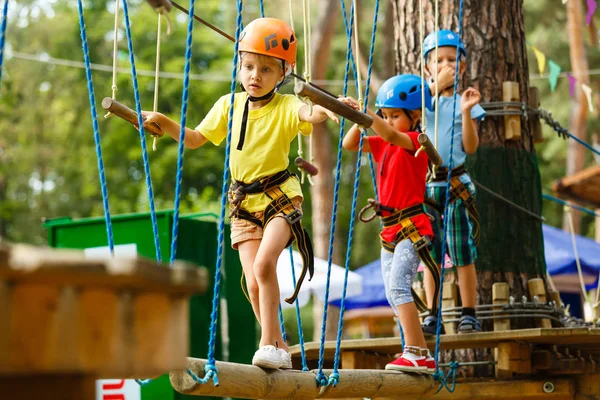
[270, 37]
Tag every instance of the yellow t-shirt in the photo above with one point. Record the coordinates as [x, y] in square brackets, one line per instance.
[269, 132]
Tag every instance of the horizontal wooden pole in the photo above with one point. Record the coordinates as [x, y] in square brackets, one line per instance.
[304, 89]
[126, 113]
[249, 382]
[306, 166]
[156, 4]
[430, 150]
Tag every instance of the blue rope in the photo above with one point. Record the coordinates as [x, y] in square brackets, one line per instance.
[184, 107]
[138, 108]
[334, 378]
[575, 206]
[210, 369]
[584, 143]
[298, 316]
[321, 377]
[3, 35]
[438, 374]
[281, 322]
[450, 376]
[262, 8]
[92, 98]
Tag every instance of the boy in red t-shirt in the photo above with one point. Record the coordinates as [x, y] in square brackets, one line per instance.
[401, 188]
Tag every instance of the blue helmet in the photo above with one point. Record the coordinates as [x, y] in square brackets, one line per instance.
[403, 91]
[445, 38]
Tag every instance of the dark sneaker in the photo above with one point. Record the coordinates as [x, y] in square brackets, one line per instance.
[429, 326]
[468, 324]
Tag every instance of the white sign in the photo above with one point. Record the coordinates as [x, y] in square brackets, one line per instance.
[118, 389]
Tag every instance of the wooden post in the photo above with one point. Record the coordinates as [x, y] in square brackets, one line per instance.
[512, 123]
[126, 113]
[500, 295]
[536, 125]
[536, 288]
[304, 89]
[513, 357]
[449, 300]
[306, 166]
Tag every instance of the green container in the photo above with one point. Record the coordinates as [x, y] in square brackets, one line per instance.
[197, 242]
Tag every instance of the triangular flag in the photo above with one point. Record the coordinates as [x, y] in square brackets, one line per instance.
[541, 59]
[591, 9]
[588, 93]
[572, 82]
[554, 73]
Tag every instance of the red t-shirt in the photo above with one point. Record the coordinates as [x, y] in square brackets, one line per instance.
[401, 180]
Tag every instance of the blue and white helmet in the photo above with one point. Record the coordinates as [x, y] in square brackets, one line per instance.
[445, 38]
[403, 91]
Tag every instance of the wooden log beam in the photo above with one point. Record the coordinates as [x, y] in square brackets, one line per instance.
[157, 4]
[430, 150]
[126, 113]
[307, 90]
[247, 381]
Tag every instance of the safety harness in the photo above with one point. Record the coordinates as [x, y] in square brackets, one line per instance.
[280, 204]
[458, 191]
[408, 231]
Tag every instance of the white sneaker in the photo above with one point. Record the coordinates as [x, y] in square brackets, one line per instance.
[267, 357]
[286, 359]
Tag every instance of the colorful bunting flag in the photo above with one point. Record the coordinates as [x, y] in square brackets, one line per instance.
[591, 8]
[572, 82]
[588, 94]
[541, 59]
[554, 73]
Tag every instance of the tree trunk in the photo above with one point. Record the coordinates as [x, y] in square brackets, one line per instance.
[511, 246]
[579, 111]
[322, 191]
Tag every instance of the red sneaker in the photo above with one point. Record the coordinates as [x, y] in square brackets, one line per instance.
[430, 364]
[409, 362]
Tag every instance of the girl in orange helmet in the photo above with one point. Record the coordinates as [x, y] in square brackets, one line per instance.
[265, 198]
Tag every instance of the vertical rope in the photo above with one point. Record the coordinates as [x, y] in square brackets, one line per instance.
[298, 316]
[335, 377]
[115, 52]
[3, 35]
[262, 8]
[437, 95]
[138, 107]
[93, 108]
[184, 107]
[210, 368]
[300, 140]
[321, 378]
[282, 322]
[568, 210]
[422, 38]
[439, 374]
[157, 72]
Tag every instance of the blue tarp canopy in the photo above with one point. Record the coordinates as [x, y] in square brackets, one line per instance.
[560, 260]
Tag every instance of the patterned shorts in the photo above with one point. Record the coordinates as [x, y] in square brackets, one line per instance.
[460, 241]
[242, 230]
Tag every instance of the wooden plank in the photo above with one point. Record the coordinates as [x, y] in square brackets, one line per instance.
[512, 357]
[71, 267]
[563, 389]
[582, 186]
[536, 125]
[576, 337]
[246, 381]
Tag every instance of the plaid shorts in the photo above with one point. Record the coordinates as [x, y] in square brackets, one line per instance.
[460, 240]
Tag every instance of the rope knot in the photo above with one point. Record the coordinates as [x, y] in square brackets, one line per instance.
[334, 379]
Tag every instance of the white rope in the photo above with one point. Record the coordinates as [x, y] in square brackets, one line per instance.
[437, 94]
[157, 73]
[579, 272]
[422, 38]
[115, 55]
[300, 140]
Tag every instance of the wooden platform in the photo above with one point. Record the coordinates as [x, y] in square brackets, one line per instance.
[67, 317]
[583, 186]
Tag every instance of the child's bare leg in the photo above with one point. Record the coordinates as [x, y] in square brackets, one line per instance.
[467, 283]
[276, 236]
[411, 326]
[247, 251]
